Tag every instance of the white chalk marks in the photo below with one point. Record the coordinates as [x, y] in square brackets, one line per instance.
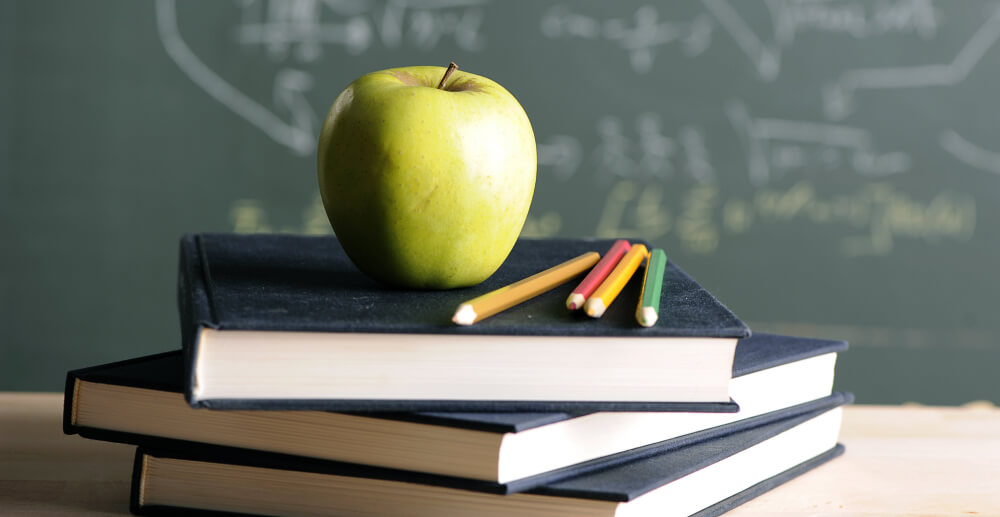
[839, 97]
[790, 18]
[868, 221]
[776, 147]
[765, 58]
[297, 34]
[562, 153]
[639, 37]
[297, 134]
[969, 153]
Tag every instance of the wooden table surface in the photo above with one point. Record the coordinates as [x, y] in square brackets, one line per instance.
[918, 461]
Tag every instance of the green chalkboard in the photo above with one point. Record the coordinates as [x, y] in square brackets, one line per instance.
[828, 168]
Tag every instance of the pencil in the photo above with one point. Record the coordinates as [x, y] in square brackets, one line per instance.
[597, 275]
[648, 310]
[615, 282]
[506, 297]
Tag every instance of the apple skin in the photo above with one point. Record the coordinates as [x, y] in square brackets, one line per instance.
[426, 188]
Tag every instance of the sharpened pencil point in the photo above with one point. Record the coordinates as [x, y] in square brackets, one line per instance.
[594, 308]
[465, 315]
[575, 301]
[647, 316]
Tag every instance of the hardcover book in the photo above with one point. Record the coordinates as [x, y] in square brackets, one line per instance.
[707, 477]
[140, 401]
[288, 322]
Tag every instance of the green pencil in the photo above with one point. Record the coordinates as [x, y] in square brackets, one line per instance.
[648, 310]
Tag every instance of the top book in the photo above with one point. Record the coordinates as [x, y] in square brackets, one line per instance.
[283, 321]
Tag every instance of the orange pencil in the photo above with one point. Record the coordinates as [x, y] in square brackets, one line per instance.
[609, 289]
[506, 297]
[597, 275]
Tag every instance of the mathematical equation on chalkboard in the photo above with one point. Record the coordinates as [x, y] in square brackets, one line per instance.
[647, 172]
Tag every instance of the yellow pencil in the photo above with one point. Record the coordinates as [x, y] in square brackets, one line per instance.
[506, 297]
[609, 289]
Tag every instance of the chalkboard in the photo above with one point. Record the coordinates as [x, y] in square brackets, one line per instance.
[827, 168]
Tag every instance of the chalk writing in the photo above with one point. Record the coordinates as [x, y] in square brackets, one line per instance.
[839, 97]
[647, 153]
[250, 216]
[856, 19]
[883, 211]
[777, 147]
[639, 38]
[303, 27]
[297, 27]
[969, 153]
[299, 30]
[697, 226]
[702, 217]
[633, 212]
[546, 225]
[562, 153]
[789, 18]
[300, 139]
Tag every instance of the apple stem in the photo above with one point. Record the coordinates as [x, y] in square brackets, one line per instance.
[447, 73]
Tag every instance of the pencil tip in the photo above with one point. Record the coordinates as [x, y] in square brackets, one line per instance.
[465, 315]
[574, 302]
[647, 317]
[594, 308]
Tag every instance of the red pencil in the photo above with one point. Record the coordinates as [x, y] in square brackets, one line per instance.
[597, 275]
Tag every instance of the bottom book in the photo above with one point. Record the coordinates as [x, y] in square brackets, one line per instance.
[704, 478]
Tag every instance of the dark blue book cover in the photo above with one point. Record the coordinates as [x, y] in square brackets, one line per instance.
[299, 283]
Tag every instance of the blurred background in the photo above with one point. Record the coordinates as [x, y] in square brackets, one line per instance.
[825, 168]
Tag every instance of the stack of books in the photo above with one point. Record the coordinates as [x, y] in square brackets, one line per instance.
[304, 388]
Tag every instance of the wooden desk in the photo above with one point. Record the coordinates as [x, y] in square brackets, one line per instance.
[899, 461]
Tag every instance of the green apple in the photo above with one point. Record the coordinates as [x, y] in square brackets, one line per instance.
[427, 175]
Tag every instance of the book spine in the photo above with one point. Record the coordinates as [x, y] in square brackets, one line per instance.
[135, 492]
[195, 304]
[99, 374]
[138, 507]
[69, 404]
